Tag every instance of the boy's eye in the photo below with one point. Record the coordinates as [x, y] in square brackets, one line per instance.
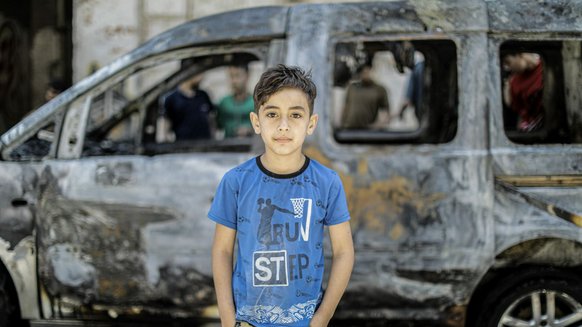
[296, 115]
[271, 115]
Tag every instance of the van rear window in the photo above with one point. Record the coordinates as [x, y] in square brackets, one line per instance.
[395, 92]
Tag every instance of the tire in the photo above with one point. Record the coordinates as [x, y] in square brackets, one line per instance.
[531, 300]
[8, 307]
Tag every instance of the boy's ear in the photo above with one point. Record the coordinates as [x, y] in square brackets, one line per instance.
[312, 124]
[255, 122]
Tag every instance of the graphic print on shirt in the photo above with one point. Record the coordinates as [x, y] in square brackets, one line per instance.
[264, 234]
[277, 268]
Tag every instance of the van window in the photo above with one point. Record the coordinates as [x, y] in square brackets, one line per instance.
[395, 92]
[36, 147]
[181, 105]
[541, 95]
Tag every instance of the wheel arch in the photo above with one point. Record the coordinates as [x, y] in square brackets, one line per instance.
[13, 293]
[533, 258]
[19, 264]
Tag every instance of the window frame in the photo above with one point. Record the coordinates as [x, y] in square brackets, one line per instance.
[258, 49]
[495, 43]
[370, 137]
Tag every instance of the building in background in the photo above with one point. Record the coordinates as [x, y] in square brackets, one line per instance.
[68, 40]
[35, 48]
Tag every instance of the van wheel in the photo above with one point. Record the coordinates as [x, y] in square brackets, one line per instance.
[538, 302]
[8, 307]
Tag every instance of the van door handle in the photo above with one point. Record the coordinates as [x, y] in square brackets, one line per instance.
[19, 202]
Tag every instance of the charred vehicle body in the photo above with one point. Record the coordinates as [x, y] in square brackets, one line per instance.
[459, 217]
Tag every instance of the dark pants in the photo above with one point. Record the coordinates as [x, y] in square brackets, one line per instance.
[242, 324]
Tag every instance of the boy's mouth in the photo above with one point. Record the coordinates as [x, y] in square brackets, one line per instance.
[282, 139]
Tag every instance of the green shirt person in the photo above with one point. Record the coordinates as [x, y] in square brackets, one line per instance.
[234, 110]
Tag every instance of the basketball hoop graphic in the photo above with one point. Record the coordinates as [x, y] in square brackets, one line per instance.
[298, 209]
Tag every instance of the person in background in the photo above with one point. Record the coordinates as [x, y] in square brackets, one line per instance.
[363, 100]
[523, 89]
[233, 110]
[414, 88]
[54, 88]
[188, 109]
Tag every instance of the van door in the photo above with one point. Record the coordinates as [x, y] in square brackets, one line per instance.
[415, 169]
[124, 228]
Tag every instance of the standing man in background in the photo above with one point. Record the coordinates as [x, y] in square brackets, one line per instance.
[187, 109]
[234, 109]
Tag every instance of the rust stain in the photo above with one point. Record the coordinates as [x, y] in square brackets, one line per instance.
[543, 180]
[397, 231]
[115, 288]
[377, 205]
[314, 153]
[456, 316]
[363, 167]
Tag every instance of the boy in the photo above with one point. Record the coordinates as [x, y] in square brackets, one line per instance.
[277, 204]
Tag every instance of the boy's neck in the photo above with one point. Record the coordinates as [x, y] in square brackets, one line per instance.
[282, 165]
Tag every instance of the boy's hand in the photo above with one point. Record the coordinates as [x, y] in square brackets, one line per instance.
[319, 321]
[222, 255]
[341, 269]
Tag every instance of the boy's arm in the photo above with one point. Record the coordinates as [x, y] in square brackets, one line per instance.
[222, 256]
[341, 269]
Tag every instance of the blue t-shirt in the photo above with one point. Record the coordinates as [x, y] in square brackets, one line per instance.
[279, 221]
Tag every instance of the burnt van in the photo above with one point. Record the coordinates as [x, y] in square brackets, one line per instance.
[462, 214]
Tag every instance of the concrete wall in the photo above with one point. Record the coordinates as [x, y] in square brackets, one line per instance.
[106, 29]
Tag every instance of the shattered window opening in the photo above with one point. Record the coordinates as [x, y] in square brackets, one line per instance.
[130, 117]
[541, 97]
[384, 92]
[36, 147]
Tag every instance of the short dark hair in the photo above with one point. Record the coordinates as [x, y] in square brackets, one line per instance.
[58, 85]
[277, 78]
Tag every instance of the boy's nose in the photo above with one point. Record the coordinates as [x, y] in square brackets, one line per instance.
[283, 124]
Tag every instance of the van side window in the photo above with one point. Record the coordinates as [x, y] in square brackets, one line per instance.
[396, 92]
[542, 100]
[192, 104]
[36, 147]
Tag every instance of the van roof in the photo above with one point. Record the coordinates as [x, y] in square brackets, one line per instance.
[413, 16]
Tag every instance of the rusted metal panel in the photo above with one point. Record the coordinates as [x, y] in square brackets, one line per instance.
[534, 16]
[542, 181]
[130, 235]
[520, 218]
[410, 232]
[18, 194]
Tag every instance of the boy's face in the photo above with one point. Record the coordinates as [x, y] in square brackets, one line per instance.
[238, 78]
[283, 121]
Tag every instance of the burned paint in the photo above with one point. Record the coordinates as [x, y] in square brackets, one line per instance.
[20, 261]
[118, 174]
[17, 198]
[69, 266]
[128, 244]
[381, 206]
[399, 231]
[18, 194]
